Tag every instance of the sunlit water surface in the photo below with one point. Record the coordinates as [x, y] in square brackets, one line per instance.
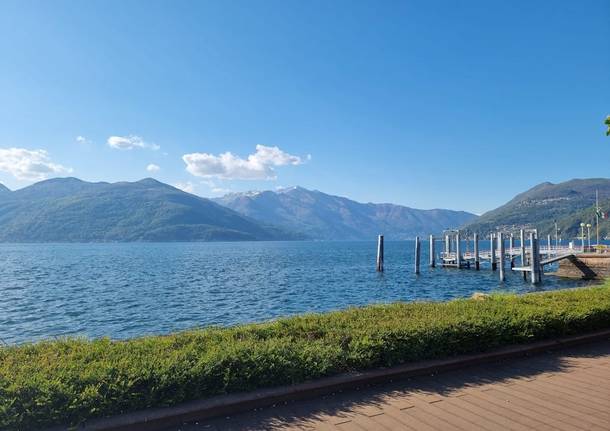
[127, 290]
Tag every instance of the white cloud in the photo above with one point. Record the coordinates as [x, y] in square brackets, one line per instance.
[215, 188]
[258, 166]
[153, 168]
[130, 142]
[220, 190]
[32, 165]
[82, 140]
[185, 187]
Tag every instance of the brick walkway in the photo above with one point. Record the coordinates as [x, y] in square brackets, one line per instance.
[561, 390]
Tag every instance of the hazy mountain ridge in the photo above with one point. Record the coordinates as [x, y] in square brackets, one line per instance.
[322, 216]
[569, 203]
[71, 210]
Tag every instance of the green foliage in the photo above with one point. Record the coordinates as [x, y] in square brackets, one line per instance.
[607, 123]
[71, 210]
[545, 203]
[71, 380]
[570, 225]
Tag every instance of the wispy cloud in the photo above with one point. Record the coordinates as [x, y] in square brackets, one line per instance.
[215, 188]
[31, 165]
[188, 187]
[153, 168]
[82, 140]
[258, 166]
[130, 142]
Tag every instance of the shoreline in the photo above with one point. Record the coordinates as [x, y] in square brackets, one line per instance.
[103, 377]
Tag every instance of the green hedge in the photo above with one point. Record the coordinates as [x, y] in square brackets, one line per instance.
[70, 380]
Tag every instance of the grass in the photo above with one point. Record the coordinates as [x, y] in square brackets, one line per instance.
[68, 381]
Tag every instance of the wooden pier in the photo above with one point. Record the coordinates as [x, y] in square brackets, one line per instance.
[531, 256]
[462, 252]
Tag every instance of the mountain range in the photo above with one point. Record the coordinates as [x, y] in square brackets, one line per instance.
[71, 210]
[321, 216]
[568, 203]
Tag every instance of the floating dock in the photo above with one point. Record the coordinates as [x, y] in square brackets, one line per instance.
[532, 257]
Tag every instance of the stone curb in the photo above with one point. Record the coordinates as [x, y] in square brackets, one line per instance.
[155, 419]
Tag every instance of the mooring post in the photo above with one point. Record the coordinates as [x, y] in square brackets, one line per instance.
[502, 251]
[417, 254]
[548, 245]
[533, 275]
[535, 268]
[522, 245]
[538, 260]
[380, 253]
[476, 251]
[492, 246]
[458, 257]
[447, 246]
[432, 259]
[511, 245]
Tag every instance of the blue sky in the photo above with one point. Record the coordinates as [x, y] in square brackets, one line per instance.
[455, 104]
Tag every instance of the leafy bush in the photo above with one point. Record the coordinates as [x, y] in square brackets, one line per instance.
[71, 380]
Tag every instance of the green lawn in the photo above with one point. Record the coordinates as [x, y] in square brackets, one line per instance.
[68, 381]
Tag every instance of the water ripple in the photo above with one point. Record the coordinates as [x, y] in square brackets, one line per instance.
[127, 290]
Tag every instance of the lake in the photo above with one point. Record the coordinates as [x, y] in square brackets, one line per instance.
[126, 290]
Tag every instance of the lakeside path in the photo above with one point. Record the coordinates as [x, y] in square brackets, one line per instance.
[567, 389]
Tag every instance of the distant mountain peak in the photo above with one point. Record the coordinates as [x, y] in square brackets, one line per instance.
[292, 189]
[568, 203]
[60, 180]
[150, 182]
[322, 216]
[287, 189]
[249, 193]
[278, 191]
[69, 209]
[54, 187]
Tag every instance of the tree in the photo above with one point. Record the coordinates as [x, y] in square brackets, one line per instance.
[607, 122]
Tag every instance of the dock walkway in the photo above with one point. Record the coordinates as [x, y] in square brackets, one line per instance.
[561, 390]
[515, 253]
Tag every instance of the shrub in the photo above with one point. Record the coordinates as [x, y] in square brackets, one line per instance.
[70, 380]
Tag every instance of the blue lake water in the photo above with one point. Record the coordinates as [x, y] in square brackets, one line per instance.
[126, 290]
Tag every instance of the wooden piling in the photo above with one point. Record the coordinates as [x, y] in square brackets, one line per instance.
[533, 266]
[458, 257]
[492, 246]
[502, 251]
[511, 245]
[380, 253]
[417, 254]
[548, 245]
[432, 252]
[523, 256]
[538, 260]
[476, 252]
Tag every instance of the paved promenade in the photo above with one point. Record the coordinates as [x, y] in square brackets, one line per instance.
[561, 390]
